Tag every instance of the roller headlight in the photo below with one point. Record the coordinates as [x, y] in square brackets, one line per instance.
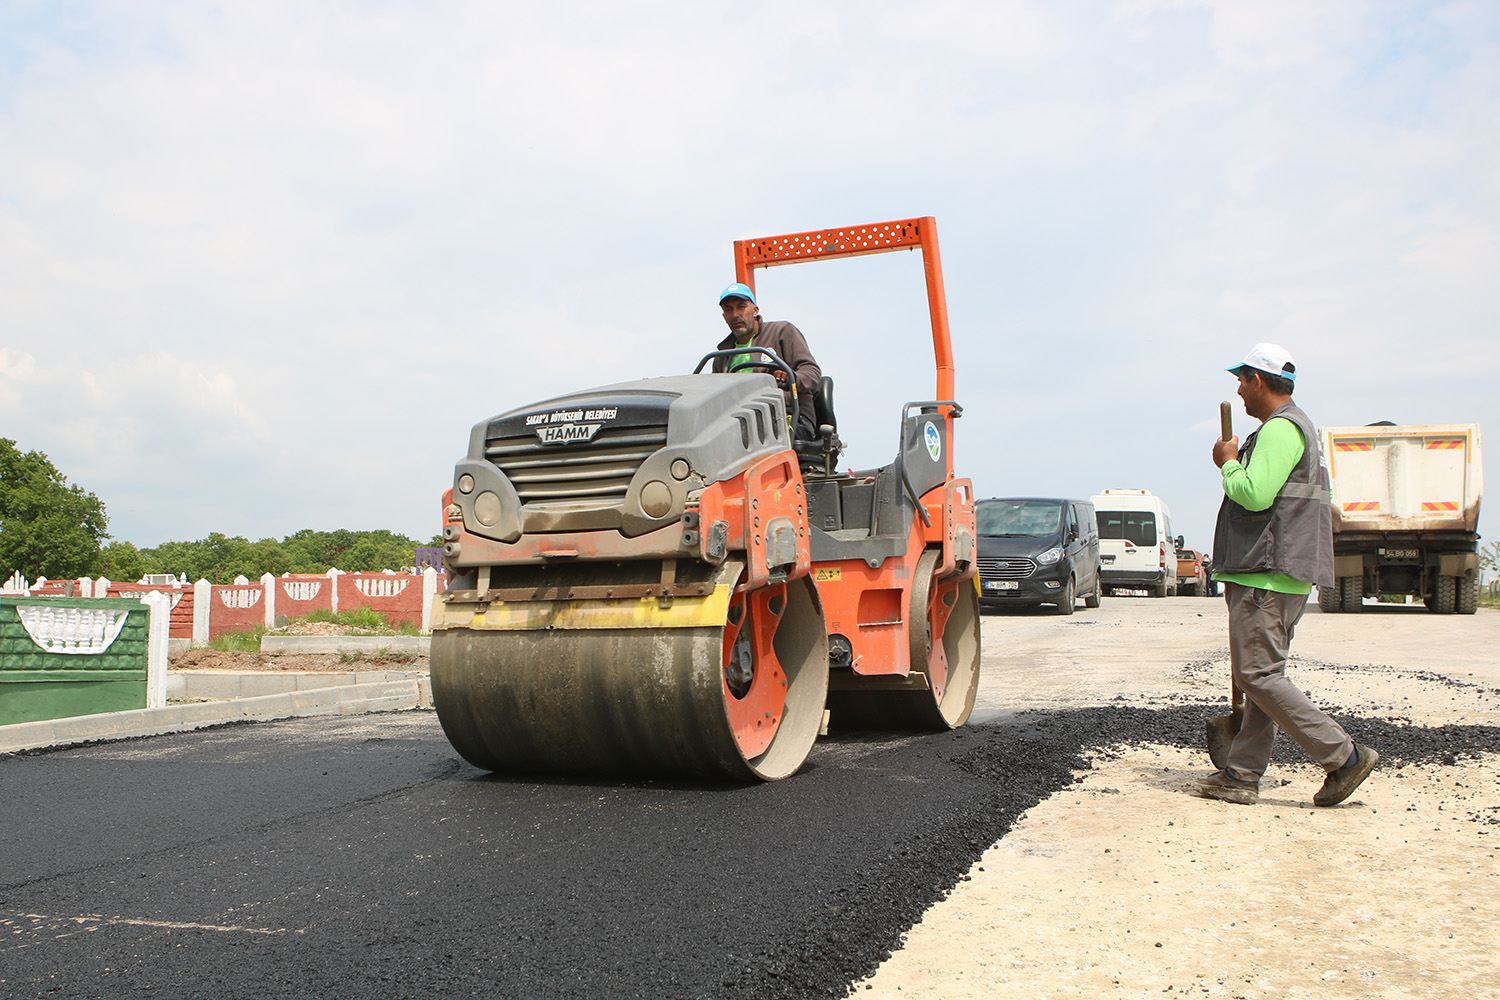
[487, 508]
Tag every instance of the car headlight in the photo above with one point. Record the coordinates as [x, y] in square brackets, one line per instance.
[1049, 557]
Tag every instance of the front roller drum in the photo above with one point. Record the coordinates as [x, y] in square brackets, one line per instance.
[741, 700]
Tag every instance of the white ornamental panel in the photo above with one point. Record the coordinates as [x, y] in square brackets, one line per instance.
[301, 590]
[71, 630]
[385, 586]
[240, 598]
[136, 595]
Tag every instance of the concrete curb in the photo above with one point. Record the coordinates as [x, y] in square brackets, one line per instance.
[221, 685]
[418, 644]
[349, 699]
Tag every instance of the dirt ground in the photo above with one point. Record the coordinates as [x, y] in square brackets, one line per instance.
[1127, 884]
[213, 659]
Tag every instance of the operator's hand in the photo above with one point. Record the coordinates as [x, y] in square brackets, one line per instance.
[781, 376]
[1225, 450]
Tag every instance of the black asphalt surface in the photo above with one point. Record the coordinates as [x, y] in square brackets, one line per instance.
[360, 857]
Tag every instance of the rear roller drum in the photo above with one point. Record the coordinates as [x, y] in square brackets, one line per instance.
[944, 648]
[742, 700]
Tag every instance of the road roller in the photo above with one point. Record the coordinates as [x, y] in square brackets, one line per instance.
[654, 578]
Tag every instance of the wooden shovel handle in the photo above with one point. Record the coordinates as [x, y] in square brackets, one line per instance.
[1226, 422]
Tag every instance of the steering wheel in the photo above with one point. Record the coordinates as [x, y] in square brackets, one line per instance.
[770, 364]
[763, 366]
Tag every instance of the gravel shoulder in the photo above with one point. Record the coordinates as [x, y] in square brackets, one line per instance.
[312, 663]
[1125, 883]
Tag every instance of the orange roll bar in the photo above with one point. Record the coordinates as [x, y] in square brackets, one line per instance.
[856, 241]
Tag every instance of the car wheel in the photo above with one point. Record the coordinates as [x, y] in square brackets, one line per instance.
[1161, 590]
[1067, 599]
[1092, 599]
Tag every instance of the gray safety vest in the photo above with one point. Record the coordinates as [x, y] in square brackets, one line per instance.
[1294, 535]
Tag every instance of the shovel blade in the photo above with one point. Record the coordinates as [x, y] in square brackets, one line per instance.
[1220, 732]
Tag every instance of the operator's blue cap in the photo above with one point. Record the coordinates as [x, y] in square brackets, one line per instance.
[737, 291]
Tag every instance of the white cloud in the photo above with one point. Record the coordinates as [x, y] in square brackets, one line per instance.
[341, 235]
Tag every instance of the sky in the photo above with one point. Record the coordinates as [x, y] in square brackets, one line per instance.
[262, 266]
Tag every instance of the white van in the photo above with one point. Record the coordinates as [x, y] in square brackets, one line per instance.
[1135, 542]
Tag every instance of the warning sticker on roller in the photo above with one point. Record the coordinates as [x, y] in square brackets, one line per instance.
[825, 573]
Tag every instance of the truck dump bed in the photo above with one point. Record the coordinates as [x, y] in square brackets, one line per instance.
[1399, 478]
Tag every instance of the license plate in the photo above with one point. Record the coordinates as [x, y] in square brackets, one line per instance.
[1401, 553]
[1001, 585]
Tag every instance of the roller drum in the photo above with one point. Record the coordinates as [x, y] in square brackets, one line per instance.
[641, 701]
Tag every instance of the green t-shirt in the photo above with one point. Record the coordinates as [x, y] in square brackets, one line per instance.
[744, 359]
[1278, 449]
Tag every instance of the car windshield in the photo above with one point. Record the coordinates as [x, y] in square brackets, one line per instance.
[1018, 518]
[1135, 526]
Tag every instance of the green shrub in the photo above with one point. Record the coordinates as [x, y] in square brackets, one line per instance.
[366, 618]
[381, 655]
[247, 641]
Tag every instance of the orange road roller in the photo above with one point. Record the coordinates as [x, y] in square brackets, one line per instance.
[655, 578]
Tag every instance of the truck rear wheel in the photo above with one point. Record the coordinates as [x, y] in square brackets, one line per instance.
[1352, 593]
[1445, 594]
[1468, 595]
[1331, 599]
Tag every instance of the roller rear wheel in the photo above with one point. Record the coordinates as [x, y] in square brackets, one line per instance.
[741, 700]
[943, 632]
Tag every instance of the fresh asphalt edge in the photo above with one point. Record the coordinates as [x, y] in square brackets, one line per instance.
[1023, 762]
[344, 699]
[976, 783]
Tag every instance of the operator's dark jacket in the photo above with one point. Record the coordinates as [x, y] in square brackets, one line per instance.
[790, 346]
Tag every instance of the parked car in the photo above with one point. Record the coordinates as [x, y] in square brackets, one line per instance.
[1038, 550]
[1192, 571]
[1135, 542]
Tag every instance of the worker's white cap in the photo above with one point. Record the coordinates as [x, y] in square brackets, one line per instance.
[1273, 359]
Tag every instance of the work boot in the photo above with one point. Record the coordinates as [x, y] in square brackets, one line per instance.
[1227, 788]
[1340, 784]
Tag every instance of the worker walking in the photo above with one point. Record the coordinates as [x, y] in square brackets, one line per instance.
[747, 329]
[1272, 542]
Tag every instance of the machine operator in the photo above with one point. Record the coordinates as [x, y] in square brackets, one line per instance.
[742, 315]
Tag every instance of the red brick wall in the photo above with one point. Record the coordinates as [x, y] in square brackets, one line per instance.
[235, 608]
[302, 593]
[395, 595]
[180, 621]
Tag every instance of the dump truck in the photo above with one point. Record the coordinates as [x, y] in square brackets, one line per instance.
[655, 578]
[1405, 514]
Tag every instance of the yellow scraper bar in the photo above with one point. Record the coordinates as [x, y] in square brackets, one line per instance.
[711, 610]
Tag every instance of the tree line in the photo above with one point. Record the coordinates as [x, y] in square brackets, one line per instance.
[51, 528]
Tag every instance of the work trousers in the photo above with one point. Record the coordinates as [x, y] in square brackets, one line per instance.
[1261, 623]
